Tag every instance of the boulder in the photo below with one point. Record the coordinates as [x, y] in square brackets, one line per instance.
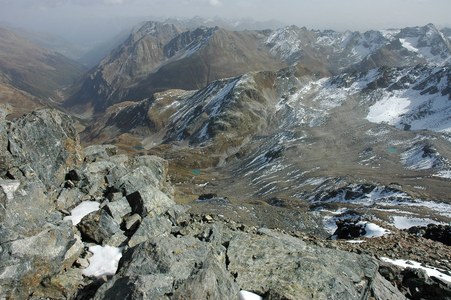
[167, 266]
[435, 232]
[149, 200]
[98, 226]
[382, 289]
[137, 179]
[95, 152]
[419, 285]
[349, 228]
[27, 261]
[151, 227]
[287, 268]
[118, 209]
[159, 167]
[24, 208]
[93, 182]
[68, 198]
[46, 141]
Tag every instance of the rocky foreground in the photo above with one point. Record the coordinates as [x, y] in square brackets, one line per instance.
[166, 251]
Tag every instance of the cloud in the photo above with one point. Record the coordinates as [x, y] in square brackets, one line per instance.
[116, 1]
[215, 2]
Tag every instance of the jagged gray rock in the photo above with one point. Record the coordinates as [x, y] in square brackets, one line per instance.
[161, 266]
[98, 226]
[45, 141]
[382, 289]
[95, 152]
[26, 261]
[24, 208]
[151, 227]
[149, 200]
[288, 268]
[118, 209]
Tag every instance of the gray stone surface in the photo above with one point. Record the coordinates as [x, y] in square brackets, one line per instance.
[150, 227]
[47, 141]
[149, 200]
[288, 268]
[118, 209]
[382, 290]
[95, 152]
[26, 261]
[159, 167]
[98, 226]
[68, 198]
[24, 208]
[137, 179]
[159, 267]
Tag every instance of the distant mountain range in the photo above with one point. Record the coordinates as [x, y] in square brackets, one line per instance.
[287, 111]
[348, 107]
[161, 56]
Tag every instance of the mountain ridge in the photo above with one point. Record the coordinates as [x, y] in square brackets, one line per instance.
[192, 58]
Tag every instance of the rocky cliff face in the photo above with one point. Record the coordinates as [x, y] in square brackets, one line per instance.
[122, 209]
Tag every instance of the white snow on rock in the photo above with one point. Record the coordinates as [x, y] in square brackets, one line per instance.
[405, 222]
[416, 158]
[104, 261]
[355, 241]
[9, 187]
[408, 44]
[430, 271]
[388, 110]
[444, 174]
[420, 110]
[245, 295]
[373, 230]
[83, 209]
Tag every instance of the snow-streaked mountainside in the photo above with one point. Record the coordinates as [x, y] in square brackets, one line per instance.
[294, 134]
[356, 121]
[418, 98]
[160, 56]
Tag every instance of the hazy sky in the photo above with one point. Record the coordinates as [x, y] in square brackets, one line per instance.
[94, 18]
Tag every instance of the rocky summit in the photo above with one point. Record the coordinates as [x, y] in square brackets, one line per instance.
[96, 224]
[207, 163]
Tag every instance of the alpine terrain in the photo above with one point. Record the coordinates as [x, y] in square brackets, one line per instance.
[220, 163]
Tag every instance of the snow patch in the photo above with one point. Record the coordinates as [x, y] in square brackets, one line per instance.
[9, 187]
[430, 271]
[408, 44]
[104, 261]
[355, 241]
[388, 110]
[404, 222]
[373, 230]
[423, 106]
[443, 174]
[245, 295]
[82, 210]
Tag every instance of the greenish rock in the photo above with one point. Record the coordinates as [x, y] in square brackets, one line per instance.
[167, 266]
[95, 152]
[150, 227]
[98, 226]
[45, 140]
[287, 268]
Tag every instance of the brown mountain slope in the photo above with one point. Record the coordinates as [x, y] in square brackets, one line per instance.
[33, 69]
[160, 56]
